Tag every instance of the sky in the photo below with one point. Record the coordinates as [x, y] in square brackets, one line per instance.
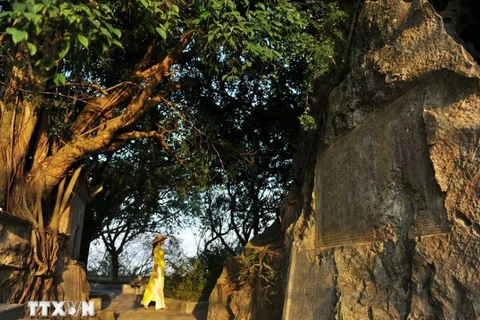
[189, 241]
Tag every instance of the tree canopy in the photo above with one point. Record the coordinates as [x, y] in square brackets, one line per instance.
[82, 79]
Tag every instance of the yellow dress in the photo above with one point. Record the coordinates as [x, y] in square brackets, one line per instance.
[154, 289]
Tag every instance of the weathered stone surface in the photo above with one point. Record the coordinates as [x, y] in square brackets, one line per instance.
[315, 282]
[379, 179]
[73, 284]
[14, 248]
[405, 126]
[14, 241]
[247, 289]
[218, 301]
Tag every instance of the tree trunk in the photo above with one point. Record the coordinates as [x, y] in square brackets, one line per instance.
[115, 264]
[25, 195]
[255, 208]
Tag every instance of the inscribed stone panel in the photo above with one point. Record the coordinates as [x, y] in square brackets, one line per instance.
[378, 180]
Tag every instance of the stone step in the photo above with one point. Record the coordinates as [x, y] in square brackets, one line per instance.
[10, 311]
[127, 307]
[173, 304]
[129, 289]
[186, 306]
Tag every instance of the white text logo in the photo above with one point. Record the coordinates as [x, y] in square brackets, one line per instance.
[62, 308]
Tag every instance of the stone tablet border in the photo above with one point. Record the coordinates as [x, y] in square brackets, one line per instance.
[378, 182]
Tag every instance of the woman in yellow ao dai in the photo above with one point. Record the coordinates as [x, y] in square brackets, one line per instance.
[154, 289]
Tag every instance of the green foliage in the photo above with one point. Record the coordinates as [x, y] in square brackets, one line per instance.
[188, 279]
[161, 17]
[307, 122]
[228, 34]
[52, 28]
[195, 278]
[324, 40]
[259, 269]
[250, 127]
[239, 32]
[18, 35]
[253, 268]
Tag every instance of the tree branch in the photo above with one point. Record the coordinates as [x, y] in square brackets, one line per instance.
[81, 146]
[147, 58]
[232, 205]
[152, 134]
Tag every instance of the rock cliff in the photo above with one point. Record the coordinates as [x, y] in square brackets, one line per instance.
[393, 231]
[383, 220]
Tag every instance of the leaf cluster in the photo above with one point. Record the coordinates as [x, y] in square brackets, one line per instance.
[51, 29]
[256, 266]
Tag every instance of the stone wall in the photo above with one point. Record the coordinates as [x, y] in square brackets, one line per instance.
[395, 229]
[14, 245]
[71, 220]
[70, 275]
[72, 281]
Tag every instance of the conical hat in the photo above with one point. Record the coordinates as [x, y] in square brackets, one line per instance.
[158, 238]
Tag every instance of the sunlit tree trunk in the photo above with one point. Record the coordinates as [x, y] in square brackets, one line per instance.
[23, 148]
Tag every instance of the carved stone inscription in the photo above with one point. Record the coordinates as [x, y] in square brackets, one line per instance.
[378, 181]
